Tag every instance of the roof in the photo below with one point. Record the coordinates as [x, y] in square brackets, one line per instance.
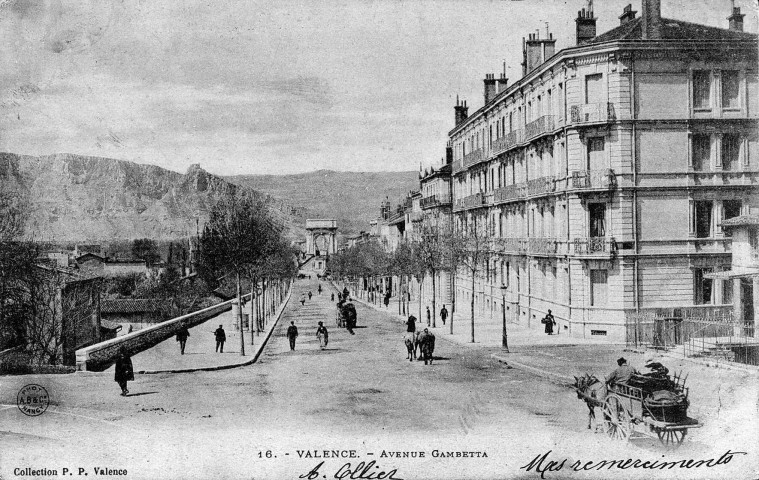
[87, 256]
[741, 220]
[133, 305]
[672, 30]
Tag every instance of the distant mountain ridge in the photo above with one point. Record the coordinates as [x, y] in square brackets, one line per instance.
[77, 198]
[353, 198]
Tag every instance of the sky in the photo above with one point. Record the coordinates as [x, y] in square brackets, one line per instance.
[264, 87]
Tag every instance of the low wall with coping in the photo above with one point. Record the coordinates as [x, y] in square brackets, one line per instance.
[100, 356]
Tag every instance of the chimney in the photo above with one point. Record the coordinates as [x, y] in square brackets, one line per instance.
[461, 111]
[448, 154]
[585, 26]
[536, 50]
[736, 20]
[502, 83]
[651, 19]
[489, 87]
[628, 14]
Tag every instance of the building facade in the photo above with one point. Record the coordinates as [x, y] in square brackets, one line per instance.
[602, 175]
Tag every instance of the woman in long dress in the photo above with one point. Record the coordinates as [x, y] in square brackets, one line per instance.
[322, 335]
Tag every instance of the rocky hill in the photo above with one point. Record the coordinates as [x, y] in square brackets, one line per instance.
[353, 198]
[76, 198]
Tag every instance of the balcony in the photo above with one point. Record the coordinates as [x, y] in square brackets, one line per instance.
[542, 246]
[594, 179]
[541, 186]
[593, 113]
[510, 193]
[595, 246]
[506, 142]
[435, 201]
[474, 157]
[512, 245]
[542, 126]
[472, 201]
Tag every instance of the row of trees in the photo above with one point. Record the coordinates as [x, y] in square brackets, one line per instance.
[433, 250]
[242, 242]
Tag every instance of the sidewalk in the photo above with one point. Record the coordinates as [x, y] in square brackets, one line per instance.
[200, 351]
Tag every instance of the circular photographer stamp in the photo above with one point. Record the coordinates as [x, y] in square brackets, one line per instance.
[33, 400]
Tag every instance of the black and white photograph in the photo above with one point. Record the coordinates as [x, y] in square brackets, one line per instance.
[379, 239]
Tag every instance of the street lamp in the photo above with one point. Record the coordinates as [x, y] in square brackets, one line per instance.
[505, 339]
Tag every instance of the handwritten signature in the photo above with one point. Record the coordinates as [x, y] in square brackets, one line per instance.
[362, 471]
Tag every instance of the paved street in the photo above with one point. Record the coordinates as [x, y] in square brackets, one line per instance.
[361, 393]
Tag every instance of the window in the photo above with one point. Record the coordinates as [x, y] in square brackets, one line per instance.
[594, 88]
[597, 219]
[731, 89]
[702, 287]
[702, 89]
[701, 152]
[598, 287]
[596, 155]
[731, 144]
[730, 209]
[703, 219]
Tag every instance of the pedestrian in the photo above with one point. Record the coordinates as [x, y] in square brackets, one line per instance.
[182, 335]
[323, 335]
[428, 316]
[221, 337]
[339, 297]
[549, 322]
[387, 300]
[302, 299]
[345, 292]
[349, 314]
[332, 297]
[443, 314]
[427, 345]
[292, 334]
[124, 371]
[411, 324]
[319, 289]
[310, 294]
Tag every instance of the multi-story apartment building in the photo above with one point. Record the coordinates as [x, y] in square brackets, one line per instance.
[602, 174]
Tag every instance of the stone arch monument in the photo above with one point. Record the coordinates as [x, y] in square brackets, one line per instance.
[321, 237]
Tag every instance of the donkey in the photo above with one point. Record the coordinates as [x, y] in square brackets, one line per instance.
[411, 340]
[593, 392]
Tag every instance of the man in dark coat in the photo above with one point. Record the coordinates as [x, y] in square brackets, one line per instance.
[124, 371]
[428, 316]
[443, 314]
[182, 336]
[345, 292]
[387, 300]
[292, 334]
[349, 312]
[427, 345]
[411, 324]
[221, 337]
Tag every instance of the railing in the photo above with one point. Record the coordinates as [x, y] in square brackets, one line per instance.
[435, 200]
[510, 193]
[544, 246]
[472, 201]
[511, 244]
[594, 179]
[594, 245]
[539, 127]
[541, 186]
[504, 143]
[474, 157]
[593, 113]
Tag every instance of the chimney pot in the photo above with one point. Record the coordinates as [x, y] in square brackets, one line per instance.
[585, 26]
[736, 20]
[628, 14]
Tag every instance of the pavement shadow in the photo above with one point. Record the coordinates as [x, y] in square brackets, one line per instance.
[139, 394]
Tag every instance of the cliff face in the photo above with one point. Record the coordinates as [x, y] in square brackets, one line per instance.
[75, 198]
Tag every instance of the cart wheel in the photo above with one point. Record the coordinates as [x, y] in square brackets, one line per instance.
[671, 438]
[617, 420]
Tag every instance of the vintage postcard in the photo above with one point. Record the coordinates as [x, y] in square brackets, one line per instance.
[379, 239]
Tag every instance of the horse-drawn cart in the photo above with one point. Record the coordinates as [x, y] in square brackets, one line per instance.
[651, 405]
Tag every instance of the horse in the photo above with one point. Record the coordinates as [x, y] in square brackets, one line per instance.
[426, 343]
[593, 392]
[410, 340]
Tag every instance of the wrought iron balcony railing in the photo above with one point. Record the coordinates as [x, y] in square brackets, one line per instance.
[473, 201]
[510, 193]
[544, 246]
[541, 126]
[474, 157]
[541, 186]
[594, 179]
[435, 200]
[593, 113]
[506, 142]
[595, 245]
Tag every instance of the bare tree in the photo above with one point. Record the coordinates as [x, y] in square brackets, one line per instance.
[471, 249]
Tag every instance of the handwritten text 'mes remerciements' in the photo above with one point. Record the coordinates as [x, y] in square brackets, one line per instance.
[542, 465]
